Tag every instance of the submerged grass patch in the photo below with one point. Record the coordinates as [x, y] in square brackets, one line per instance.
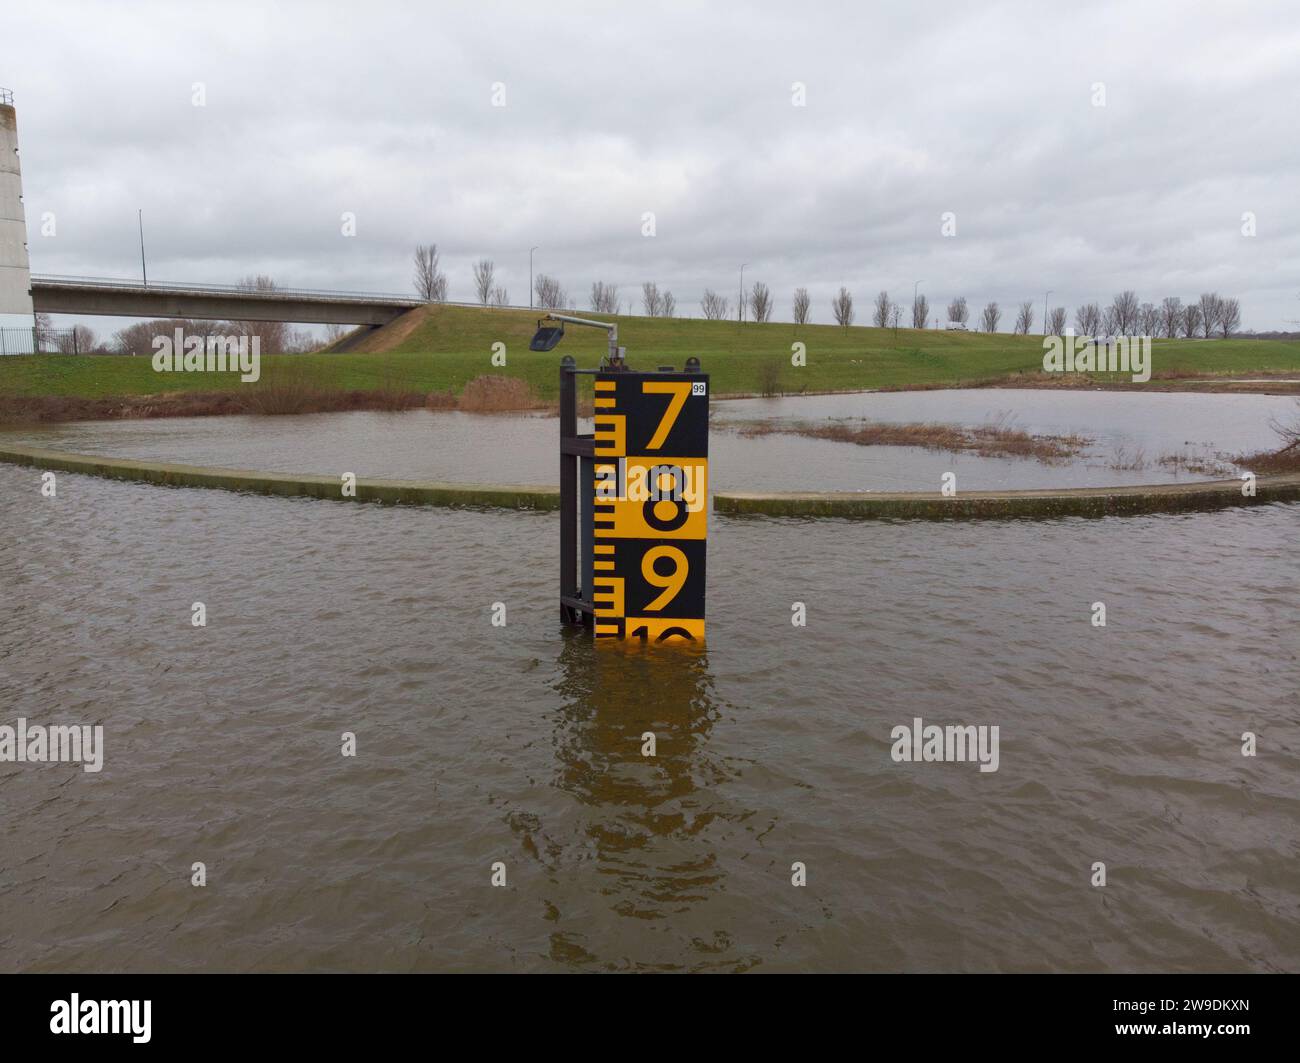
[997, 439]
[1286, 458]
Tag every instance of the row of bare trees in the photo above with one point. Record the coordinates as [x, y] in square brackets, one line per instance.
[657, 303]
[1210, 315]
[548, 293]
[605, 300]
[757, 302]
[431, 282]
[713, 305]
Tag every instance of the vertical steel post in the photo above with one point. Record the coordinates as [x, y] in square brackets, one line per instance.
[568, 490]
[586, 504]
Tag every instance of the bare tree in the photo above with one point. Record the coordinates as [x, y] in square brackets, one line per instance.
[301, 341]
[842, 307]
[133, 339]
[802, 305]
[957, 311]
[880, 310]
[1229, 317]
[500, 297]
[1211, 309]
[715, 306]
[550, 293]
[273, 335]
[484, 274]
[1148, 320]
[1125, 305]
[1110, 322]
[77, 340]
[1024, 318]
[430, 281]
[1191, 320]
[920, 311]
[991, 316]
[1087, 319]
[138, 338]
[895, 316]
[651, 299]
[1056, 321]
[669, 305]
[760, 300]
[1171, 315]
[604, 297]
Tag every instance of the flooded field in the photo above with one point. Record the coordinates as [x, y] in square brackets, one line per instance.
[1131, 432]
[520, 745]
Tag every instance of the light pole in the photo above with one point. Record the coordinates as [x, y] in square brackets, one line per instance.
[1049, 292]
[530, 276]
[144, 270]
[740, 310]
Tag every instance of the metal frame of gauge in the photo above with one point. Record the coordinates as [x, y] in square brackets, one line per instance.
[636, 491]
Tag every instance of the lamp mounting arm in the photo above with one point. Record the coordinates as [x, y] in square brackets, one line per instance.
[615, 356]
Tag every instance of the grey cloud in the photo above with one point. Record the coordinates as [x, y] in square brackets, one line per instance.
[913, 110]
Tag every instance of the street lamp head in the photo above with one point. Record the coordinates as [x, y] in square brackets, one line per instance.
[548, 335]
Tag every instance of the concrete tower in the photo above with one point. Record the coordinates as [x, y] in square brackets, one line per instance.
[15, 271]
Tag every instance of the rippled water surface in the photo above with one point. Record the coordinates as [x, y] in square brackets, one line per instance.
[522, 745]
[1130, 432]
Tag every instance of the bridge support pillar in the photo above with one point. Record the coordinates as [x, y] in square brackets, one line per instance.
[16, 310]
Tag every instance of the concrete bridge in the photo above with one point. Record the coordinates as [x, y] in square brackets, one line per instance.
[24, 294]
[224, 302]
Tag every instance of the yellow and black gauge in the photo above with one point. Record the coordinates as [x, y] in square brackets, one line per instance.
[649, 513]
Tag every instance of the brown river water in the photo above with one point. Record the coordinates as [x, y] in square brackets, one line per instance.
[522, 745]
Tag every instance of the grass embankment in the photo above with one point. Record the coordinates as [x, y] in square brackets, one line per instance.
[438, 350]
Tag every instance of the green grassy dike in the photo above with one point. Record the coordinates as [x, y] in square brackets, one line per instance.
[439, 349]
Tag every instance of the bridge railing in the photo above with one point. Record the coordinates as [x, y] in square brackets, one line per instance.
[64, 280]
[381, 298]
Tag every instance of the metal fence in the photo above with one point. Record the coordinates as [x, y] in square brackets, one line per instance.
[39, 341]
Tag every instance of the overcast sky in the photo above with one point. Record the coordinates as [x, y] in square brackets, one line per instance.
[684, 110]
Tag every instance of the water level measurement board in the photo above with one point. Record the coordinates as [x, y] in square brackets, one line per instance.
[650, 512]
